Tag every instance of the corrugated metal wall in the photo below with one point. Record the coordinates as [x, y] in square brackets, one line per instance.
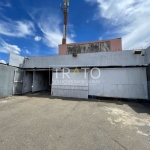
[6, 80]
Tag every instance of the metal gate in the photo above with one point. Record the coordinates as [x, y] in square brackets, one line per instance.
[18, 81]
[75, 86]
[27, 82]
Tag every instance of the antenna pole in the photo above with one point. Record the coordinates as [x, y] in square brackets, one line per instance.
[65, 12]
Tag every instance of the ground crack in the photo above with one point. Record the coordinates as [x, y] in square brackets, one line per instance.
[119, 144]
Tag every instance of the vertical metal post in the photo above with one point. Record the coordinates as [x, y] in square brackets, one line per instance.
[65, 12]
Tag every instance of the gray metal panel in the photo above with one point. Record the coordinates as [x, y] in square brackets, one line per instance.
[6, 80]
[147, 55]
[27, 82]
[70, 91]
[120, 82]
[119, 58]
[18, 81]
[16, 60]
[66, 87]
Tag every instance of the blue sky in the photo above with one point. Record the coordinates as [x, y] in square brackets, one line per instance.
[34, 27]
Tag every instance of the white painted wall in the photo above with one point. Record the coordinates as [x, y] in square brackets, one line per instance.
[113, 82]
[119, 58]
[16, 60]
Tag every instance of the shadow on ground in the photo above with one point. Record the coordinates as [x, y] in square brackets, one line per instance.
[139, 106]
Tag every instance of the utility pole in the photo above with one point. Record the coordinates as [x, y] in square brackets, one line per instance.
[65, 12]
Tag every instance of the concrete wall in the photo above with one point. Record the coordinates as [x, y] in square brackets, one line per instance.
[6, 80]
[63, 49]
[115, 45]
[105, 59]
[120, 82]
[16, 60]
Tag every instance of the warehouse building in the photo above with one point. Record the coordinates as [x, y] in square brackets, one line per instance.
[97, 71]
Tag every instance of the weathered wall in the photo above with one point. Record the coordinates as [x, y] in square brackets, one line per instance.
[121, 83]
[27, 81]
[70, 87]
[6, 80]
[18, 81]
[112, 82]
[89, 47]
[105, 59]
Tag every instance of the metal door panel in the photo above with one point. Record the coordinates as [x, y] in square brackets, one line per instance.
[72, 87]
[27, 82]
[18, 81]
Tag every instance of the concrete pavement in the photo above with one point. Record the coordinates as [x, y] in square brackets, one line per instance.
[40, 122]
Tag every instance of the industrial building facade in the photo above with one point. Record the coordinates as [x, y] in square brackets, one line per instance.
[80, 70]
[119, 74]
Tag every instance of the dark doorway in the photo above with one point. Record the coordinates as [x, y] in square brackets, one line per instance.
[42, 81]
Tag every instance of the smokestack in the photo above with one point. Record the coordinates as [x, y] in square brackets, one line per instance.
[65, 12]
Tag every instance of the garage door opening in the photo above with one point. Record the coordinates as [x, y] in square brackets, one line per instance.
[42, 81]
[36, 81]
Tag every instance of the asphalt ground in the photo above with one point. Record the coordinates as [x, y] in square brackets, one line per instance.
[41, 122]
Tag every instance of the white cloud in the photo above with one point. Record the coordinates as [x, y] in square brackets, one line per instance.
[130, 18]
[50, 26]
[100, 38]
[37, 38]
[27, 52]
[52, 32]
[71, 30]
[72, 35]
[16, 28]
[8, 48]
[5, 4]
[3, 61]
